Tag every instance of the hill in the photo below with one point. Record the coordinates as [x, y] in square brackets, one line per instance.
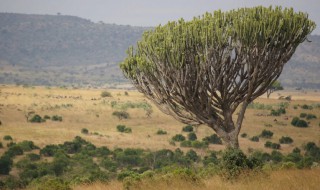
[67, 50]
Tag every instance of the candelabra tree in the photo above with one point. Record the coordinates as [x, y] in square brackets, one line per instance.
[204, 70]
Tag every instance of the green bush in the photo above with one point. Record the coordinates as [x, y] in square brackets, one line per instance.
[178, 138]
[254, 139]
[161, 132]
[212, 139]
[7, 138]
[37, 119]
[49, 183]
[306, 107]
[1, 145]
[123, 129]
[192, 136]
[128, 130]
[33, 157]
[188, 128]
[285, 140]
[299, 122]
[278, 112]
[56, 118]
[14, 150]
[46, 117]
[84, 131]
[5, 165]
[272, 145]
[27, 146]
[311, 116]
[49, 150]
[199, 144]
[244, 135]
[186, 144]
[105, 94]
[266, 134]
[192, 155]
[121, 114]
[303, 115]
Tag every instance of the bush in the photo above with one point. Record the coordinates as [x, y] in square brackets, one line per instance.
[121, 114]
[306, 107]
[33, 157]
[14, 150]
[123, 129]
[1, 145]
[199, 144]
[37, 119]
[311, 116]
[56, 118]
[213, 139]
[266, 134]
[192, 136]
[46, 117]
[272, 145]
[27, 146]
[49, 150]
[178, 138]
[299, 122]
[161, 132]
[188, 128]
[254, 139]
[186, 144]
[278, 112]
[192, 155]
[285, 140]
[5, 165]
[7, 138]
[128, 130]
[303, 115]
[105, 94]
[84, 131]
[244, 135]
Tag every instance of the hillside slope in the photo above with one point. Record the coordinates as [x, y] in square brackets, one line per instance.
[67, 50]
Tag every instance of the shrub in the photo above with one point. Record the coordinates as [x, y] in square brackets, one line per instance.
[105, 94]
[192, 136]
[213, 139]
[49, 150]
[266, 134]
[128, 130]
[1, 145]
[188, 128]
[56, 118]
[84, 131]
[161, 132]
[5, 165]
[27, 146]
[7, 138]
[33, 157]
[311, 116]
[178, 138]
[199, 144]
[126, 93]
[285, 140]
[299, 122]
[123, 129]
[14, 150]
[272, 145]
[254, 139]
[303, 115]
[192, 155]
[244, 135]
[186, 144]
[46, 117]
[278, 112]
[36, 119]
[121, 114]
[306, 107]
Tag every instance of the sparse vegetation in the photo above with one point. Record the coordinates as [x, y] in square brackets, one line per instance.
[124, 129]
[84, 131]
[105, 94]
[121, 114]
[161, 132]
[254, 139]
[187, 128]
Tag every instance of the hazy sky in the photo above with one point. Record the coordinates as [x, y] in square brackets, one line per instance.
[147, 12]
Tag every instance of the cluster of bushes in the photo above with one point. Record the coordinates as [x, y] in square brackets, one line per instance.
[297, 122]
[124, 129]
[308, 116]
[38, 119]
[121, 115]
[79, 161]
[272, 145]
[278, 112]
[131, 105]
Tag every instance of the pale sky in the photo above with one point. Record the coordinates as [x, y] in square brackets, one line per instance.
[148, 12]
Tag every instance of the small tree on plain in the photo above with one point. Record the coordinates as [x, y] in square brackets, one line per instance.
[201, 71]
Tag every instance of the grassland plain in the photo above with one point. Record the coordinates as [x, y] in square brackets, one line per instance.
[85, 108]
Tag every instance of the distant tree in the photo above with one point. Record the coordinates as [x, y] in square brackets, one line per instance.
[276, 85]
[202, 70]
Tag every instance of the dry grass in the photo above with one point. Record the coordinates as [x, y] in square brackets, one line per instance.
[95, 113]
[276, 180]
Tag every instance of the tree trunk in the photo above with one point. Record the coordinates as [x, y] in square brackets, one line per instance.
[230, 139]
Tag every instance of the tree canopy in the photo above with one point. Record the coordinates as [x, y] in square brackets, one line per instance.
[200, 71]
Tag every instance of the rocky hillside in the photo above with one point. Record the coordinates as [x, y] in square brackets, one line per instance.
[65, 50]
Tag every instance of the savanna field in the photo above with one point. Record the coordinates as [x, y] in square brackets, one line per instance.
[137, 138]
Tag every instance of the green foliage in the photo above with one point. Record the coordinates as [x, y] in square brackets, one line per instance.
[311, 116]
[254, 139]
[303, 115]
[49, 183]
[187, 128]
[49, 150]
[278, 112]
[192, 136]
[272, 145]
[13, 151]
[213, 139]
[121, 114]
[37, 119]
[285, 140]
[27, 146]
[105, 94]
[297, 122]
[1, 145]
[56, 118]
[186, 143]
[84, 131]
[199, 144]
[161, 132]
[178, 138]
[266, 134]
[7, 138]
[192, 155]
[306, 107]
[46, 117]
[244, 135]
[123, 129]
[5, 164]
[33, 157]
